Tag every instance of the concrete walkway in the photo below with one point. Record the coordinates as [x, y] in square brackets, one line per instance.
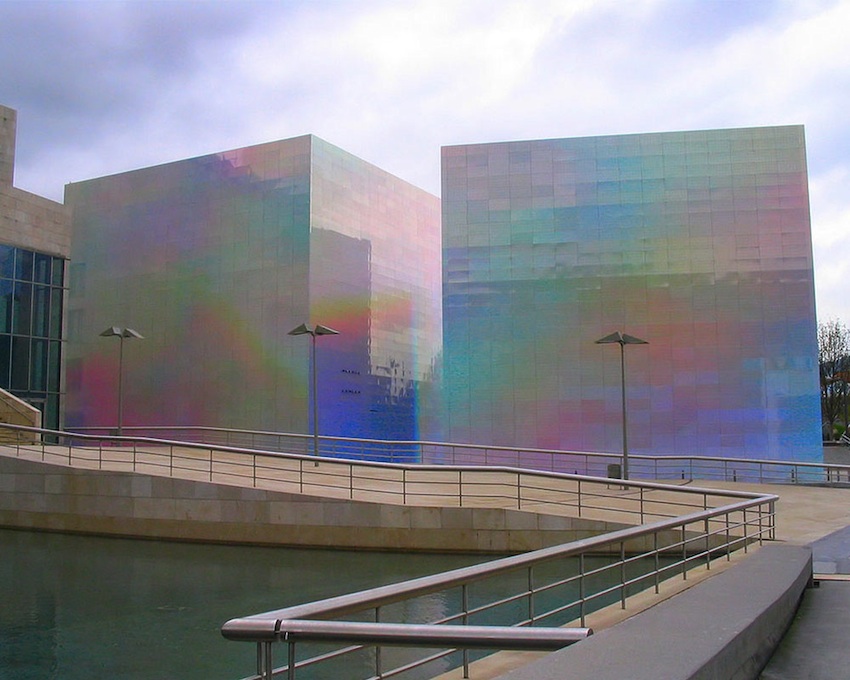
[816, 646]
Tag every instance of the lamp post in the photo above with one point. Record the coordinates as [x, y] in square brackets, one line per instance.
[121, 334]
[622, 339]
[305, 329]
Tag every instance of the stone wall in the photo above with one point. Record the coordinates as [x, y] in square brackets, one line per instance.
[39, 496]
[27, 220]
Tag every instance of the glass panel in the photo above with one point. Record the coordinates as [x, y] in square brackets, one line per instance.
[20, 363]
[40, 311]
[41, 273]
[53, 365]
[38, 372]
[23, 265]
[5, 353]
[7, 262]
[58, 271]
[56, 298]
[6, 306]
[51, 417]
[22, 309]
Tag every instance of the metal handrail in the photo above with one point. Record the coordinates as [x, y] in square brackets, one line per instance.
[695, 538]
[462, 486]
[417, 635]
[692, 531]
[644, 466]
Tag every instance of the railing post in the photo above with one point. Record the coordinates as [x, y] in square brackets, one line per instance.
[531, 594]
[578, 491]
[460, 488]
[684, 554]
[622, 574]
[290, 674]
[581, 588]
[772, 509]
[657, 565]
[465, 601]
[746, 534]
[519, 491]
[351, 481]
[728, 540]
[707, 544]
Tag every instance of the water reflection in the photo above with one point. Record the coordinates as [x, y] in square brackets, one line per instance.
[79, 607]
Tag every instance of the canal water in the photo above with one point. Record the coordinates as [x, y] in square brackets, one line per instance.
[86, 608]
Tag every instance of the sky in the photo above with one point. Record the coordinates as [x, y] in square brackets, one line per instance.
[104, 86]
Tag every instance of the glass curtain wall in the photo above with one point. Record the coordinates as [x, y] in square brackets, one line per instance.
[31, 297]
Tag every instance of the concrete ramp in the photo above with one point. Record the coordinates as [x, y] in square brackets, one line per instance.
[725, 628]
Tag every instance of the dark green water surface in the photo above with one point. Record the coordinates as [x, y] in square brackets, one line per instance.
[84, 608]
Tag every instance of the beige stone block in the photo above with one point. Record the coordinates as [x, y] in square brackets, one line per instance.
[520, 521]
[29, 483]
[395, 516]
[492, 541]
[458, 518]
[351, 515]
[426, 518]
[7, 481]
[153, 508]
[308, 513]
[255, 495]
[110, 506]
[490, 519]
[141, 487]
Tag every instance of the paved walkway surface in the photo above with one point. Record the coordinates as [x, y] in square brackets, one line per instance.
[816, 646]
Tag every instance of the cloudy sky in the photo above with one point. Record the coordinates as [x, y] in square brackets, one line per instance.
[102, 87]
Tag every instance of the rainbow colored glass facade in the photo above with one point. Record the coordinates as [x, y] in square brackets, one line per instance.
[214, 259]
[698, 242]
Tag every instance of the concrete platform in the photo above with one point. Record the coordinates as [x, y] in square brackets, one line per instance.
[724, 628]
[816, 646]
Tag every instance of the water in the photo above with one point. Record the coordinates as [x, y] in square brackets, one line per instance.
[84, 608]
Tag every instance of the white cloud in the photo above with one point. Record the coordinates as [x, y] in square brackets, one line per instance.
[392, 81]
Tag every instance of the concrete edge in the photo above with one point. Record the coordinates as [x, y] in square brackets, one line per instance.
[725, 627]
[39, 496]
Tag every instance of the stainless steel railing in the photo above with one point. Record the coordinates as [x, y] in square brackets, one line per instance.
[556, 586]
[641, 466]
[682, 527]
[431, 485]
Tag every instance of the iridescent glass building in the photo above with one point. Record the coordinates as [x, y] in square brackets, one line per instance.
[698, 242]
[214, 259]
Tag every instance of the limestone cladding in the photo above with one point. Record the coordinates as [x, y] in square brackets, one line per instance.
[26, 220]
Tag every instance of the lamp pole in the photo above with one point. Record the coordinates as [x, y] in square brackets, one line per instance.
[305, 329]
[623, 339]
[121, 334]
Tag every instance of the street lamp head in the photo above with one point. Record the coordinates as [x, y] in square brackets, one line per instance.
[324, 330]
[305, 329]
[620, 339]
[121, 333]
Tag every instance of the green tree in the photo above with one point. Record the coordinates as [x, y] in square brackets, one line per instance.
[834, 360]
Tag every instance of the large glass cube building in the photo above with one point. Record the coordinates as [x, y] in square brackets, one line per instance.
[215, 259]
[697, 242]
